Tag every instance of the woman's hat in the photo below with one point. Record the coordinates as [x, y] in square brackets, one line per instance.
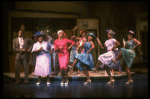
[72, 37]
[82, 30]
[130, 31]
[38, 34]
[110, 32]
[91, 34]
[60, 31]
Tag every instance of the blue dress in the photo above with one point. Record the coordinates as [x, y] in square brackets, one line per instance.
[85, 59]
[127, 53]
[73, 53]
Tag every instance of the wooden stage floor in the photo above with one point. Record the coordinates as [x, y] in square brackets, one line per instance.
[74, 76]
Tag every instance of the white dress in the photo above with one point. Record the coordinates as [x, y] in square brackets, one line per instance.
[43, 59]
[108, 56]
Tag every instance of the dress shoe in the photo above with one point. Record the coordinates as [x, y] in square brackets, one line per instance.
[38, 83]
[87, 82]
[111, 81]
[129, 82]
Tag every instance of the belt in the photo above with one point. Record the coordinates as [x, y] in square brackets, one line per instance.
[109, 50]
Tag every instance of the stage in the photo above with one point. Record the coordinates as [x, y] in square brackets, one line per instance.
[74, 76]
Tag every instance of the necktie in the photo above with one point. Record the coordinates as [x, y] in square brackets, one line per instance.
[21, 43]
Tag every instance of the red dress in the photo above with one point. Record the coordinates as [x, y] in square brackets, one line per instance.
[63, 55]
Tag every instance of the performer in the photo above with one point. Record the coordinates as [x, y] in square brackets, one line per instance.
[63, 54]
[86, 58]
[73, 51]
[127, 53]
[104, 60]
[43, 62]
[20, 46]
[82, 40]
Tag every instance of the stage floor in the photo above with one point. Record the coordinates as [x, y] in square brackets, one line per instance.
[77, 89]
[74, 76]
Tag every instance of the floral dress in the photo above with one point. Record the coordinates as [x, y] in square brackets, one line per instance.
[85, 59]
[107, 57]
[73, 53]
[127, 53]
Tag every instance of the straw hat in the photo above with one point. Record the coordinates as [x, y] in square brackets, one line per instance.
[82, 30]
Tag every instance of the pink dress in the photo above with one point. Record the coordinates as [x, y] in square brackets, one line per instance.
[63, 55]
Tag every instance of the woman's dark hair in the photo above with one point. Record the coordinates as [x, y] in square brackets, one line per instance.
[127, 35]
[40, 36]
[93, 38]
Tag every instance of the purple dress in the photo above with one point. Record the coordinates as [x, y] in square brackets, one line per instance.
[43, 59]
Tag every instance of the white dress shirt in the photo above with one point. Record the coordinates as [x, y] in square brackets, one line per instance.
[21, 42]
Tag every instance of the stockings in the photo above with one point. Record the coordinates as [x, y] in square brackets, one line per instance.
[64, 74]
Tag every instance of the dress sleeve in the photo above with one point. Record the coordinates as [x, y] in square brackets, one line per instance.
[114, 40]
[70, 41]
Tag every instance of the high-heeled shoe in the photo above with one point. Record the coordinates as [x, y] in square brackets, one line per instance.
[61, 83]
[38, 82]
[48, 83]
[66, 83]
[111, 81]
[129, 82]
[87, 82]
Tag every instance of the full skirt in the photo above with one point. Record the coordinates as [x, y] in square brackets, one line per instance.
[43, 65]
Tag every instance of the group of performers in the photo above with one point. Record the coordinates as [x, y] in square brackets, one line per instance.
[55, 47]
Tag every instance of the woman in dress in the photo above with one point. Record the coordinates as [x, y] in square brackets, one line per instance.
[43, 63]
[105, 60]
[86, 58]
[127, 53]
[60, 45]
[81, 40]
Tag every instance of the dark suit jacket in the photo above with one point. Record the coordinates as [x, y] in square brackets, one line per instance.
[27, 45]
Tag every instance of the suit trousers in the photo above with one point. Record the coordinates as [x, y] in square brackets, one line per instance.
[18, 63]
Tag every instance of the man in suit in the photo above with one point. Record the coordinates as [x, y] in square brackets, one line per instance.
[22, 49]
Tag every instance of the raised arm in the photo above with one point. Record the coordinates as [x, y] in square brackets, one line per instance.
[100, 43]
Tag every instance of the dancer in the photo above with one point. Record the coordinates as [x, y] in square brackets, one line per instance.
[21, 47]
[43, 59]
[104, 60]
[127, 53]
[81, 40]
[86, 58]
[60, 45]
